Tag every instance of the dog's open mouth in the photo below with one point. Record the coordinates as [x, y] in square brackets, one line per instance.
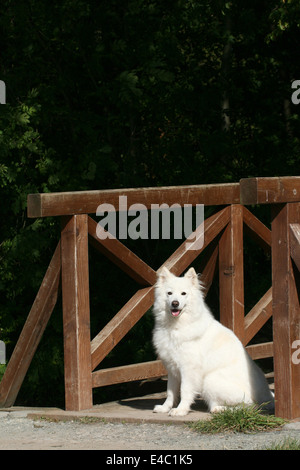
[175, 312]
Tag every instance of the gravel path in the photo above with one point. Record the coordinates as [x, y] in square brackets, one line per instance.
[19, 432]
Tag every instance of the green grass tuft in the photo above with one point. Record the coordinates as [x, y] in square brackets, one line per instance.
[241, 418]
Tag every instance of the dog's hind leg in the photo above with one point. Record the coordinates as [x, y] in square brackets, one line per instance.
[172, 395]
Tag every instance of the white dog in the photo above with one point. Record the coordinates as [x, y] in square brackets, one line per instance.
[202, 356]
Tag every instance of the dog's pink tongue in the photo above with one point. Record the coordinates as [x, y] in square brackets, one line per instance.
[175, 313]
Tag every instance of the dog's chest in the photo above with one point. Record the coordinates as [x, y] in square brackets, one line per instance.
[175, 348]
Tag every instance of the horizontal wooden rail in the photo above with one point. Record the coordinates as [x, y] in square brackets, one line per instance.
[156, 369]
[270, 190]
[130, 373]
[260, 351]
[86, 202]
[248, 191]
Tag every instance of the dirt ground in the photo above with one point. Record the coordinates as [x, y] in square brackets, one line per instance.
[130, 425]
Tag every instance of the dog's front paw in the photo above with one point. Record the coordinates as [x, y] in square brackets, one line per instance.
[161, 409]
[217, 409]
[178, 412]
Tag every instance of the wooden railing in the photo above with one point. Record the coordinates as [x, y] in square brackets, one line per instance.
[223, 246]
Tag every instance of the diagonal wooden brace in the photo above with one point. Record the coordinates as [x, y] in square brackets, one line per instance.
[32, 332]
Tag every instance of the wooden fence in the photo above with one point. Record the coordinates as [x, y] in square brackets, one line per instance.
[68, 271]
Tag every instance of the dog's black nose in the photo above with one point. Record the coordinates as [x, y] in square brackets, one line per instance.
[175, 303]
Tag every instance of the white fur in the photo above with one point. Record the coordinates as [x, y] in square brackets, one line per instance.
[201, 355]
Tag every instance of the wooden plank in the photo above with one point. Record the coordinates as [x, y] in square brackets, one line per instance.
[120, 255]
[130, 373]
[295, 243]
[86, 202]
[120, 324]
[270, 190]
[260, 351]
[76, 313]
[258, 316]
[286, 312]
[185, 254]
[231, 273]
[257, 230]
[32, 332]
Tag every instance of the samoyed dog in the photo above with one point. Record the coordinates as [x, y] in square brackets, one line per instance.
[202, 356]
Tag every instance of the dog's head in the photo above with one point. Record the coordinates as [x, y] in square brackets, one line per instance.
[177, 292]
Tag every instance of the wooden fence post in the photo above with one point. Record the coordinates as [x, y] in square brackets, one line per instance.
[76, 313]
[286, 312]
[231, 273]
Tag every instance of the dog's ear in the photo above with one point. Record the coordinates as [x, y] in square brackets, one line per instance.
[163, 274]
[192, 275]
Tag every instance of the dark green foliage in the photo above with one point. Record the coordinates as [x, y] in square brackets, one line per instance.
[128, 94]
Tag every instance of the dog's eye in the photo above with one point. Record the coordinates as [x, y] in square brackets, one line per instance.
[169, 293]
[183, 293]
